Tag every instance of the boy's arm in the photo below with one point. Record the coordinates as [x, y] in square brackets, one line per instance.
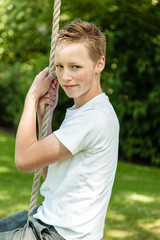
[31, 154]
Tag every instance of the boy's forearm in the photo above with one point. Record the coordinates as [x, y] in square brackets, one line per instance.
[26, 134]
[42, 91]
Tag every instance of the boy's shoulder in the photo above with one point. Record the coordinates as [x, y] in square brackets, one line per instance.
[98, 110]
[98, 103]
[102, 113]
[100, 106]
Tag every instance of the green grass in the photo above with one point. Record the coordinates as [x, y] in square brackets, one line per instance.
[134, 209]
[15, 186]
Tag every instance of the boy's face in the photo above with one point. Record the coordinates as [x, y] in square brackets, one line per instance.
[76, 72]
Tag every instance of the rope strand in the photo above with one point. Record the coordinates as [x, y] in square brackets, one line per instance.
[45, 121]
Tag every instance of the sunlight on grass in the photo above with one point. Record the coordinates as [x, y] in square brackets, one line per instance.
[5, 158]
[116, 216]
[151, 227]
[4, 195]
[4, 170]
[140, 198]
[119, 234]
[19, 207]
[3, 139]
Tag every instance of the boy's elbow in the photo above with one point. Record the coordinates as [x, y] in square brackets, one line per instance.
[22, 164]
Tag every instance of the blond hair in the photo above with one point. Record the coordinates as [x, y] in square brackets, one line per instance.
[79, 31]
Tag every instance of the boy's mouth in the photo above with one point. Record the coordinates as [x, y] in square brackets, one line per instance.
[69, 86]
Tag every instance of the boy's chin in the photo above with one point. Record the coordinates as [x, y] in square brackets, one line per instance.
[70, 94]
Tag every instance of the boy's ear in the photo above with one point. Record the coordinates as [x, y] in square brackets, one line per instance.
[100, 64]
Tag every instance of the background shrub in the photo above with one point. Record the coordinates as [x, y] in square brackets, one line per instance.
[131, 76]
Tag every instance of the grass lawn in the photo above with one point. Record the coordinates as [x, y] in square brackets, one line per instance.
[134, 209]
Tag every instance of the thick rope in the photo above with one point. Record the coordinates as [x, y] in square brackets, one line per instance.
[45, 123]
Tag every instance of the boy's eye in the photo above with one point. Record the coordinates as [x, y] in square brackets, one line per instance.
[75, 67]
[59, 66]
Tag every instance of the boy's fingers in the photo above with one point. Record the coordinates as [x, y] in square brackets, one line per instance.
[54, 84]
[51, 90]
[50, 96]
[57, 86]
[51, 76]
[47, 100]
[44, 72]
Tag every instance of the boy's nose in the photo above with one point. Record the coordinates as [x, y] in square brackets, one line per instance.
[66, 76]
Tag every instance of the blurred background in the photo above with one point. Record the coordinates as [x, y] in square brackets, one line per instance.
[131, 79]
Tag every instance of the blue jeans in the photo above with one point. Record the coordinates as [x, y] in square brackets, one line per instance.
[16, 227]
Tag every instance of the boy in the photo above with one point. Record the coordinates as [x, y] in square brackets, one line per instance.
[79, 159]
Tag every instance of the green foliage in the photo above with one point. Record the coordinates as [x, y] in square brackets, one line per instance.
[24, 41]
[136, 87]
[131, 76]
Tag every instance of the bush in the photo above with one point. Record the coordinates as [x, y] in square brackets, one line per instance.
[135, 84]
[136, 67]
[131, 76]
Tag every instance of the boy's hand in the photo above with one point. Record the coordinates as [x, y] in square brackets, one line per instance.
[50, 98]
[41, 84]
[44, 90]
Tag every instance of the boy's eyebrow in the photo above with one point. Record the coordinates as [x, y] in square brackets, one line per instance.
[58, 63]
[73, 63]
[69, 63]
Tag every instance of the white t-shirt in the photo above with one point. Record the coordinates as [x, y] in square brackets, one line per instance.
[77, 190]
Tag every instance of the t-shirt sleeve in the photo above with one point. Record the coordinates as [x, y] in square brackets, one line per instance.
[81, 131]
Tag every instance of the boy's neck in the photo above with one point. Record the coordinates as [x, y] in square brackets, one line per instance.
[79, 102]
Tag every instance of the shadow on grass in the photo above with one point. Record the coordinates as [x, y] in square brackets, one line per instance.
[15, 191]
[134, 208]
